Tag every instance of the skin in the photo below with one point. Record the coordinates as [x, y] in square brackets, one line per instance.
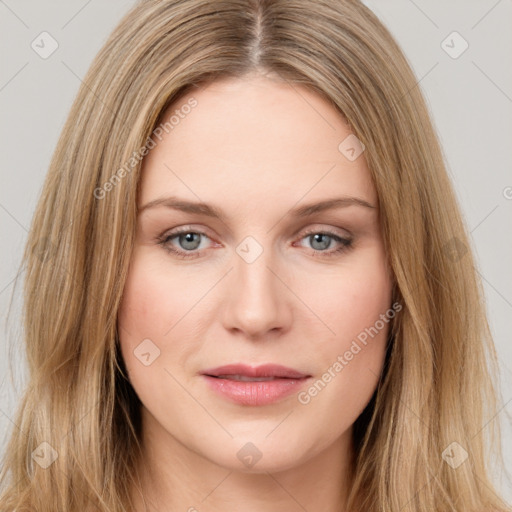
[255, 148]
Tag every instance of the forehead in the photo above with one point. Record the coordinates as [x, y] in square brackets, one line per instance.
[255, 139]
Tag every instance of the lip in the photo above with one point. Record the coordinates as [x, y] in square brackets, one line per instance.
[277, 383]
[265, 370]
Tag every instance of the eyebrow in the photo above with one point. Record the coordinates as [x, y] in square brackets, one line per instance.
[214, 212]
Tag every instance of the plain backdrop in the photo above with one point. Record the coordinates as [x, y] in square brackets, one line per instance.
[459, 50]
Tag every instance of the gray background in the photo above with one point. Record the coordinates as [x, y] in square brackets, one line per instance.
[470, 98]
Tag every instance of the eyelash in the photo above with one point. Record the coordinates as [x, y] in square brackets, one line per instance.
[345, 243]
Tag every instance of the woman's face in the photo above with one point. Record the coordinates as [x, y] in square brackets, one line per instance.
[264, 272]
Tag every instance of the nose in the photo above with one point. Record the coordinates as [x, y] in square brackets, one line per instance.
[259, 302]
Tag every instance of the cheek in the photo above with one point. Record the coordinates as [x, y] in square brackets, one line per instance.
[147, 312]
[158, 320]
[154, 299]
[357, 309]
[353, 299]
[141, 306]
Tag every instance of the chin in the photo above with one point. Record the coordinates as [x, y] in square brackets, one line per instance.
[260, 455]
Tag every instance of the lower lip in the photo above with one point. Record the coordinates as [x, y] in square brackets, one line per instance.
[257, 392]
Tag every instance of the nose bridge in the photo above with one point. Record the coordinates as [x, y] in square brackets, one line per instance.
[257, 298]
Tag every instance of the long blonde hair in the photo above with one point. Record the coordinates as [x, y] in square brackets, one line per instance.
[437, 387]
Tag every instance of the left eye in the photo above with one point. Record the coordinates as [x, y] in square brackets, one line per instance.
[322, 240]
[189, 241]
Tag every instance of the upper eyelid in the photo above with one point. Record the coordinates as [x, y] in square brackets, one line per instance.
[315, 227]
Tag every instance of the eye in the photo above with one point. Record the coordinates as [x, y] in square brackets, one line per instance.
[322, 240]
[188, 242]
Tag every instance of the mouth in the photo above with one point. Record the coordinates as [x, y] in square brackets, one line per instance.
[245, 378]
[247, 373]
[247, 385]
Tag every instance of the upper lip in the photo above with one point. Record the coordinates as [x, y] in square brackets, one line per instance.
[265, 370]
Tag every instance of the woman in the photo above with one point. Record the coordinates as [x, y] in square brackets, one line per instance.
[256, 287]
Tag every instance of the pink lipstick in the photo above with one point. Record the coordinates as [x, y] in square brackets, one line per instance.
[260, 385]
